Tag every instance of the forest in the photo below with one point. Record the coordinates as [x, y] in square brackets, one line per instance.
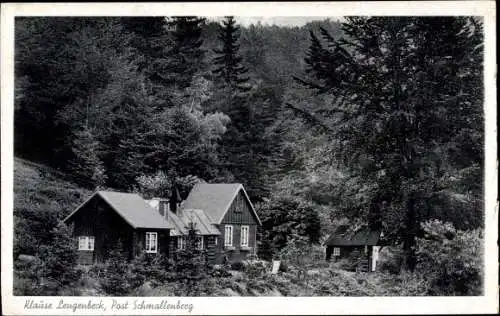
[361, 121]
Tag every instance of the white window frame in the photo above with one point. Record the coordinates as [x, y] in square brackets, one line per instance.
[86, 243]
[245, 230]
[228, 237]
[215, 240]
[336, 251]
[181, 242]
[149, 244]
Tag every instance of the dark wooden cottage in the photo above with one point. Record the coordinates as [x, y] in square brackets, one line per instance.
[222, 214]
[108, 218]
[228, 209]
[361, 245]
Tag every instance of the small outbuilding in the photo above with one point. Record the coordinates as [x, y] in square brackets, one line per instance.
[362, 243]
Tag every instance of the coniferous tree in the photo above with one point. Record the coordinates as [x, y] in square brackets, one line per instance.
[59, 257]
[87, 165]
[185, 56]
[404, 80]
[191, 263]
[229, 70]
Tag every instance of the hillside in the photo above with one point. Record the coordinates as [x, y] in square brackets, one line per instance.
[41, 198]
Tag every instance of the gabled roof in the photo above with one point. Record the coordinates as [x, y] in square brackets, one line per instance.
[361, 237]
[215, 199]
[131, 207]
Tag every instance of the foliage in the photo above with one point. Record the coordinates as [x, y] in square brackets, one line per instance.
[191, 264]
[451, 260]
[228, 62]
[87, 164]
[59, 256]
[153, 268]
[116, 279]
[286, 217]
[157, 185]
[384, 77]
[27, 278]
[53, 271]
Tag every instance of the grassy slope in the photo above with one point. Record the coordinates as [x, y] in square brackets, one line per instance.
[41, 198]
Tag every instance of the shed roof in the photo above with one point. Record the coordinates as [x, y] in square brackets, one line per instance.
[215, 199]
[202, 223]
[132, 208]
[361, 237]
[181, 219]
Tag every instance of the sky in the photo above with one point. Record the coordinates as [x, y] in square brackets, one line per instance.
[278, 20]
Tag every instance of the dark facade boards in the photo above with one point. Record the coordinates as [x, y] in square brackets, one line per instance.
[222, 214]
[361, 246]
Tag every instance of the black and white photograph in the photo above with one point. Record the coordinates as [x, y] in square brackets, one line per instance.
[227, 155]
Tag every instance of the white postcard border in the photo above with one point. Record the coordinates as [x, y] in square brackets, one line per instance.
[259, 305]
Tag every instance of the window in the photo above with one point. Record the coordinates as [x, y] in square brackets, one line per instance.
[151, 242]
[199, 242]
[228, 235]
[181, 242]
[86, 243]
[244, 236]
[336, 251]
[215, 241]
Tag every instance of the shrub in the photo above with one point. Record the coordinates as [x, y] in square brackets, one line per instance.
[450, 259]
[255, 269]
[154, 268]
[283, 267]
[390, 260]
[27, 277]
[220, 271]
[237, 266]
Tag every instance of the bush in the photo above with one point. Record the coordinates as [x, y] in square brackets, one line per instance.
[390, 260]
[27, 278]
[255, 269]
[220, 271]
[237, 266]
[450, 259]
[156, 269]
[283, 267]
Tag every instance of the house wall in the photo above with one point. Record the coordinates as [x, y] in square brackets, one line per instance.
[98, 219]
[238, 214]
[139, 241]
[347, 251]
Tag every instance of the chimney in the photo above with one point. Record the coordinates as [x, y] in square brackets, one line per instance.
[163, 207]
[175, 200]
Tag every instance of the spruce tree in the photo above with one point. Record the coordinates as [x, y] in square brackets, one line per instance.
[86, 165]
[229, 70]
[191, 263]
[403, 89]
[59, 258]
[186, 56]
